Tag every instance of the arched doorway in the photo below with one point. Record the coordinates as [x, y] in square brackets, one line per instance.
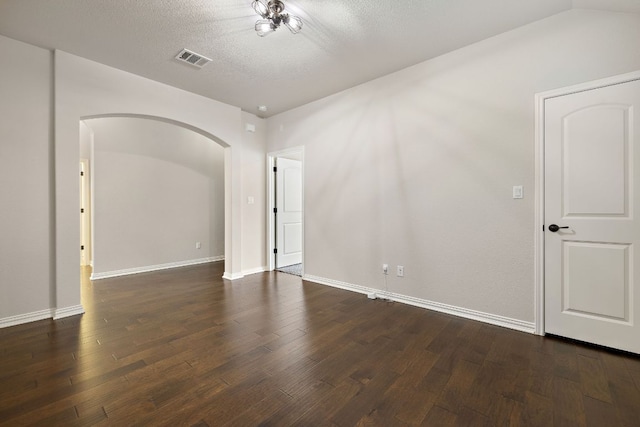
[157, 195]
[86, 89]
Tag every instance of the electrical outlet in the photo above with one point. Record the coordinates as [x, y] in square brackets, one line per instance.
[400, 271]
[198, 245]
[385, 268]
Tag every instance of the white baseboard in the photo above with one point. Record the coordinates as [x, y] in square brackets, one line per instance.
[26, 318]
[61, 313]
[254, 271]
[232, 276]
[148, 268]
[49, 313]
[493, 319]
[341, 285]
[248, 272]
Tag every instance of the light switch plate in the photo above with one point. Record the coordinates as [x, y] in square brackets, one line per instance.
[518, 192]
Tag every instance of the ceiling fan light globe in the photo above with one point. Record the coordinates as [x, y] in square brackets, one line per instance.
[260, 8]
[264, 27]
[293, 23]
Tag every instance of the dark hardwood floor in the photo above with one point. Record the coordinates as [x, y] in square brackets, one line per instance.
[184, 347]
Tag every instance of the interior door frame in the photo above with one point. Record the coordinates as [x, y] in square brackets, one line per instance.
[271, 202]
[85, 221]
[539, 253]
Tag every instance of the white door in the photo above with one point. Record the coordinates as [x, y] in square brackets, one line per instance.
[592, 191]
[288, 212]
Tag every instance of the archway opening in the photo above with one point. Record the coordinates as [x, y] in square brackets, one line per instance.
[156, 195]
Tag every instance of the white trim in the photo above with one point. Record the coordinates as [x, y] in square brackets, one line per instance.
[590, 85]
[61, 313]
[49, 313]
[493, 319]
[85, 238]
[232, 276]
[26, 318]
[148, 268]
[255, 270]
[342, 285]
[538, 238]
[271, 203]
[540, 99]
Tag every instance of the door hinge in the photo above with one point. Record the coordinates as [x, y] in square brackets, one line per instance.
[275, 210]
[81, 173]
[275, 250]
[275, 169]
[82, 247]
[81, 210]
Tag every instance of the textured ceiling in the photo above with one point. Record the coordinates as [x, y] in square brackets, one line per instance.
[343, 42]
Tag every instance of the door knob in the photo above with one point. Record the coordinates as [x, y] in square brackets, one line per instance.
[553, 228]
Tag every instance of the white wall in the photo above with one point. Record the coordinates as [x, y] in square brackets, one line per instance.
[254, 185]
[25, 179]
[86, 141]
[158, 189]
[416, 168]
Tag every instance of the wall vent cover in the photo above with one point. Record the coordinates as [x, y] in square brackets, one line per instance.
[192, 58]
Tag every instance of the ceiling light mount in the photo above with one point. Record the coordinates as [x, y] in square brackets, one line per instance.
[273, 15]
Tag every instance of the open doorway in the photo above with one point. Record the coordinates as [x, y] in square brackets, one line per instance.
[286, 211]
[157, 196]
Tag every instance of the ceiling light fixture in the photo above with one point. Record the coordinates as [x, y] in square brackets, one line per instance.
[273, 15]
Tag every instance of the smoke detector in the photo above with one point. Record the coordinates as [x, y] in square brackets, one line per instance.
[193, 58]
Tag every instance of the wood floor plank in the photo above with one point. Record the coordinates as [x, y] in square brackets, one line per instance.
[599, 413]
[624, 392]
[469, 417]
[413, 407]
[367, 401]
[456, 391]
[320, 412]
[566, 361]
[568, 404]
[493, 380]
[439, 416]
[540, 374]
[593, 379]
[185, 347]
[537, 410]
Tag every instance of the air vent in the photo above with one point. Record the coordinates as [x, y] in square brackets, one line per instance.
[193, 58]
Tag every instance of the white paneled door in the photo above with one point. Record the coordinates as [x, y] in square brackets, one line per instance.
[289, 212]
[592, 197]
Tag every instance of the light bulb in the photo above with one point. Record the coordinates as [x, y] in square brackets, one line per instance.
[260, 8]
[264, 27]
[293, 23]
